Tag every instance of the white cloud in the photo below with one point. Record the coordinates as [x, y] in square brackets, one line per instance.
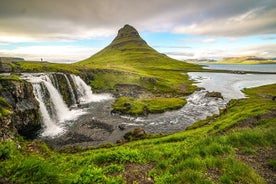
[50, 53]
[197, 40]
[265, 50]
[71, 19]
[256, 21]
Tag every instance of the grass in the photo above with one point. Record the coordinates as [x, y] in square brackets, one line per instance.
[134, 106]
[4, 108]
[10, 77]
[205, 153]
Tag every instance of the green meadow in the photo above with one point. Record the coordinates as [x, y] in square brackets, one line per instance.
[215, 150]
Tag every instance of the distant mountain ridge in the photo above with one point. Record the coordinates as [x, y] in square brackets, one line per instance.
[246, 60]
[11, 59]
[237, 60]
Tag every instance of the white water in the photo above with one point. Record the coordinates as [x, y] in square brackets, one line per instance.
[84, 91]
[50, 128]
[61, 109]
[198, 107]
[54, 111]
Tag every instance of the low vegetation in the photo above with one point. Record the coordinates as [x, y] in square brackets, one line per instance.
[134, 106]
[216, 150]
[4, 108]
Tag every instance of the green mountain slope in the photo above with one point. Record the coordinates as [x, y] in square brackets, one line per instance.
[139, 65]
[129, 51]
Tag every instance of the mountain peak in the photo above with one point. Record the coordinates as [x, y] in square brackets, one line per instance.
[127, 31]
[127, 34]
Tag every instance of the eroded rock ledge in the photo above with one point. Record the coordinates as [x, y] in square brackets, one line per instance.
[23, 117]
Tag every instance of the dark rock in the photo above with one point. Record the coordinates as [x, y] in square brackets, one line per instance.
[128, 90]
[274, 98]
[122, 126]
[214, 94]
[149, 79]
[5, 68]
[24, 118]
[137, 133]
[81, 133]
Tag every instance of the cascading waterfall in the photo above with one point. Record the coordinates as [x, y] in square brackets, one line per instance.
[53, 108]
[73, 97]
[84, 93]
[51, 128]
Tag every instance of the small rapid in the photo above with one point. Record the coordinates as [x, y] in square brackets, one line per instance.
[198, 107]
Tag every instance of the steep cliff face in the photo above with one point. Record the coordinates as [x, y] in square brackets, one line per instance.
[22, 112]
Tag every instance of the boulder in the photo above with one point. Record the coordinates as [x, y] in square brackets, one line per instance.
[137, 133]
[214, 94]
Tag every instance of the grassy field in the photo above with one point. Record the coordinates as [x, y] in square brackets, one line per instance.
[219, 149]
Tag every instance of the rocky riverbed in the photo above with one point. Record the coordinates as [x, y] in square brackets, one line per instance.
[100, 126]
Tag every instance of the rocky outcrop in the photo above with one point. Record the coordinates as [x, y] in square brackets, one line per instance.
[24, 118]
[214, 94]
[5, 67]
[127, 34]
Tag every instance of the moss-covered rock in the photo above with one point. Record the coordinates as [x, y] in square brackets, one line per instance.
[20, 107]
[136, 106]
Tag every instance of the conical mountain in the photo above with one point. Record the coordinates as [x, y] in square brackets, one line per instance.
[127, 35]
[128, 49]
[129, 60]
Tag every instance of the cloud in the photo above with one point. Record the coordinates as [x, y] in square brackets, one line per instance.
[82, 19]
[256, 21]
[263, 50]
[206, 40]
[269, 37]
[180, 53]
[171, 46]
[50, 53]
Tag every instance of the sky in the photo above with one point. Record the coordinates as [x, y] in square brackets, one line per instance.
[72, 30]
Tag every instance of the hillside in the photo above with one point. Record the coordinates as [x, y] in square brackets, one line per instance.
[245, 60]
[138, 64]
[237, 146]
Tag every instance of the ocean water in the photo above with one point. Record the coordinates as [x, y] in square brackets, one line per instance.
[242, 67]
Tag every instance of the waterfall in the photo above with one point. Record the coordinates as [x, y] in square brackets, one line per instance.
[54, 81]
[61, 109]
[50, 128]
[54, 111]
[84, 92]
[73, 98]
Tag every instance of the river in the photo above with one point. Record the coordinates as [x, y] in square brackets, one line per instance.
[98, 125]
